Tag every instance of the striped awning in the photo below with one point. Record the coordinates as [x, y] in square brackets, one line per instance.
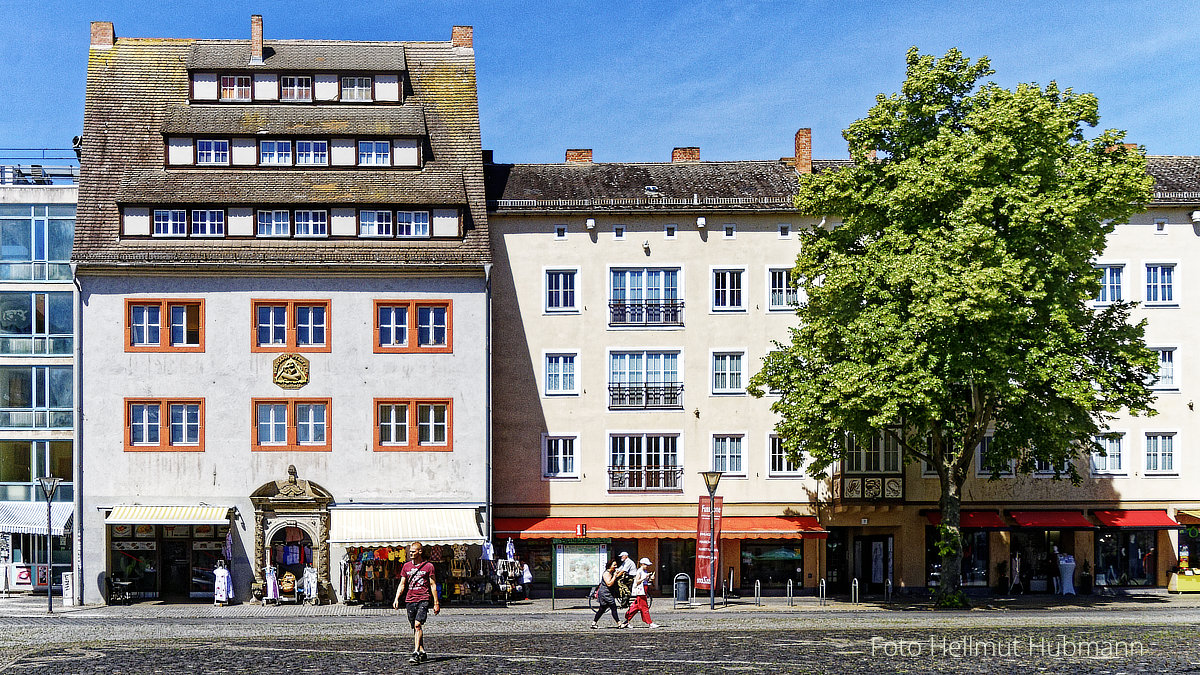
[400, 526]
[30, 517]
[137, 514]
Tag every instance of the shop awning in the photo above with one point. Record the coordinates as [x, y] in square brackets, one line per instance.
[1051, 520]
[138, 514]
[400, 526]
[665, 527]
[30, 517]
[1140, 518]
[973, 519]
[1188, 517]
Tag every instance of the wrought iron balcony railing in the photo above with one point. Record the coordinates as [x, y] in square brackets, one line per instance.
[655, 479]
[652, 313]
[667, 395]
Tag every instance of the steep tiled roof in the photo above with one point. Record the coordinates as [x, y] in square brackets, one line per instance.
[139, 88]
[1176, 179]
[299, 55]
[403, 120]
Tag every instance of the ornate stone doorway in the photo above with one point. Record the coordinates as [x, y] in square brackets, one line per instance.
[292, 503]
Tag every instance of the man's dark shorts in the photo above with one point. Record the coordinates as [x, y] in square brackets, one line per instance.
[418, 612]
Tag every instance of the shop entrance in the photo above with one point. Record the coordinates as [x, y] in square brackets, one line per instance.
[291, 533]
[837, 560]
[873, 562]
[176, 577]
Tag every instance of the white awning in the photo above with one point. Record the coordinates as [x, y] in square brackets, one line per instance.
[135, 514]
[400, 526]
[30, 517]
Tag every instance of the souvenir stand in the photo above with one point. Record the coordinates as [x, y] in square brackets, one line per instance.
[370, 575]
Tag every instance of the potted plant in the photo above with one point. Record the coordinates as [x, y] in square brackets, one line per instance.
[1002, 584]
[1085, 578]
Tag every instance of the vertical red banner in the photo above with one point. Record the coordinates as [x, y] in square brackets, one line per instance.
[706, 550]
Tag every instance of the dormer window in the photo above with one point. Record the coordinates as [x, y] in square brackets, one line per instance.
[212, 151]
[235, 87]
[374, 153]
[312, 153]
[295, 88]
[356, 89]
[275, 153]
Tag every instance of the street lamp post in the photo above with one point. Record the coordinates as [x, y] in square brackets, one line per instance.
[711, 478]
[49, 487]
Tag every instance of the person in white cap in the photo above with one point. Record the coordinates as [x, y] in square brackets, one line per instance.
[625, 575]
[640, 580]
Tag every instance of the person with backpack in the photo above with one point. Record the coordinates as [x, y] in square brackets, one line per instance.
[419, 589]
[604, 594]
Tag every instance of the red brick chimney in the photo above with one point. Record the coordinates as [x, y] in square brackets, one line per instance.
[102, 35]
[462, 36]
[685, 155]
[256, 45]
[579, 156]
[804, 151]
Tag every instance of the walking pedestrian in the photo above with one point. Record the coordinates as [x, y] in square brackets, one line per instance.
[641, 579]
[604, 594]
[625, 577]
[419, 589]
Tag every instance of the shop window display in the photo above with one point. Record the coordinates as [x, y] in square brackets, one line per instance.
[976, 552]
[1125, 557]
[773, 563]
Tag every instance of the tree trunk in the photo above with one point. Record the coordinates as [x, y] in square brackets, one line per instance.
[950, 546]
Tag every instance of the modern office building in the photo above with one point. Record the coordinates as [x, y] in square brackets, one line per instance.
[282, 256]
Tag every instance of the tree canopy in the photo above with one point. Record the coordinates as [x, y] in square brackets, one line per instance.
[951, 299]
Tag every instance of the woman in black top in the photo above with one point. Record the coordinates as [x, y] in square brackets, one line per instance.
[604, 594]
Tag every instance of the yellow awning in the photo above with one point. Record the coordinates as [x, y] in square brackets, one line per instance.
[400, 526]
[134, 514]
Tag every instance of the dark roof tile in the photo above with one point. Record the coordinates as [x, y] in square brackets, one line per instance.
[299, 55]
[398, 120]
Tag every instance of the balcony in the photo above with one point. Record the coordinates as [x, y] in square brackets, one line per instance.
[656, 479]
[26, 345]
[652, 313]
[24, 418]
[645, 396]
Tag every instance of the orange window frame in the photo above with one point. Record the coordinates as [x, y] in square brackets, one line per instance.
[164, 425]
[291, 316]
[413, 445]
[292, 444]
[413, 306]
[164, 324]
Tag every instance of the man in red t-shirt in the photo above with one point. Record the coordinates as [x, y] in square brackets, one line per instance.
[418, 579]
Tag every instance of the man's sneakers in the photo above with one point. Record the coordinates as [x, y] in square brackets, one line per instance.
[654, 625]
[623, 624]
[595, 625]
[415, 659]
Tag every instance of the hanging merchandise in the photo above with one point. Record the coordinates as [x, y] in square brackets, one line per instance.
[435, 553]
[489, 551]
[222, 584]
[292, 535]
[510, 550]
[308, 585]
[271, 590]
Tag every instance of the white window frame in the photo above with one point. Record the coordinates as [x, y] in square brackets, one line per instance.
[797, 470]
[412, 224]
[150, 430]
[310, 150]
[309, 324]
[571, 473]
[272, 219]
[643, 451]
[312, 425]
[1158, 287]
[395, 423]
[785, 230]
[431, 426]
[353, 84]
[670, 231]
[372, 226]
[560, 232]
[1106, 439]
[369, 153]
[212, 152]
[641, 293]
[573, 274]
[721, 357]
[146, 325]
[185, 426]
[275, 322]
[271, 423]
[312, 223]
[208, 222]
[241, 83]
[430, 320]
[279, 154]
[729, 231]
[1172, 368]
[722, 457]
[1172, 455]
[728, 273]
[981, 472]
[297, 84]
[396, 328]
[556, 381]
[1160, 226]
[1105, 271]
[789, 291]
[1043, 468]
[619, 232]
[187, 308]
[173, 222]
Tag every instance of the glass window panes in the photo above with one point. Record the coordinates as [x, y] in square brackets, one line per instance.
[312, 153]
[274, 223]
[1160, 283]
[1108, 460]
[560, 290]
[272, 423]
[393, 325]
[412, 223]
[185, 325]
[170, 222]
[208, 223]
[375, 223]
[727, 372]
[144, 322]
[185, 423]
[1110, 283]
[212, 151]
[431, 424]
[727, 289]
[277, 153]
[374, 153]
[235, 87]
[431, 326]
[272, 325]
[310, 325]
[780, 463]
[727, 454]
[295, 88]
[559, 456]
[784, 293]
[143, 423]
[312, 223]
[560, 373]
[1166, 369]
[1160, 453]
[356, 89]
[310, 423]
[393, 423]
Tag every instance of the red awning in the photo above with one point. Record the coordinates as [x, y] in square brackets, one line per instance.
[669, 527]
[976, 519]
[1146, 519]
[1051, 520]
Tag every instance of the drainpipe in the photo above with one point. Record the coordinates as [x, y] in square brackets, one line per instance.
[77, 435]
[489, 520]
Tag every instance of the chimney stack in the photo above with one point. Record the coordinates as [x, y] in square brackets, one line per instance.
[579, 156]
[102, 35]
[685, 155]
[256, 40]
[804, 151]
[462, 36]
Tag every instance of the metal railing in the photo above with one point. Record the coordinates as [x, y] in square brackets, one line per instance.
[650, 313]
[25, 418]
[664, 395]
[38, 166]
[660, 479]
[695, 200]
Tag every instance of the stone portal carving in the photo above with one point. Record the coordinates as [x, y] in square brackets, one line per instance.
[292, 502]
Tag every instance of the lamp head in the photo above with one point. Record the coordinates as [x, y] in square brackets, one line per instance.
[711, 478]
[49, 485]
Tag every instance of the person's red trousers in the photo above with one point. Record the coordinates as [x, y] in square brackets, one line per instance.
[639, 605]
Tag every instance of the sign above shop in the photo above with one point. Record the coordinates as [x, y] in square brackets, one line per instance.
[290, 371]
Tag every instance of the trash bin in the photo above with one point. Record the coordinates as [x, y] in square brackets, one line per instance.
[681, 590]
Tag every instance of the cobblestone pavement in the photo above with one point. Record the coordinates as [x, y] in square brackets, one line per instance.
[1156, 635]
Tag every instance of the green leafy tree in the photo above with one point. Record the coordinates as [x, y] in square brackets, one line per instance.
[951, 301]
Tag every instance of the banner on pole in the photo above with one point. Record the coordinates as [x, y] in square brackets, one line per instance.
[708, 554]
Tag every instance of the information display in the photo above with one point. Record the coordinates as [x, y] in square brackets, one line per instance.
[579, 565]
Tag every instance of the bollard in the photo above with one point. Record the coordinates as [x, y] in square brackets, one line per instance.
[791, 595]
[854, 591]
[724, 594]
[887, 591]
[821, 593]
[757, 593]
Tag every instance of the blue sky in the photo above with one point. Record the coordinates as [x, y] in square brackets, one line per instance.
[634, 79]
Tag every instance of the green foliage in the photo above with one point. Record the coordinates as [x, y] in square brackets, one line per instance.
[954, 600]
[952, 297]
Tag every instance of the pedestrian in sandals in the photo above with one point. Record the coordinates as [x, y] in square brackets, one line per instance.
[419, 589]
